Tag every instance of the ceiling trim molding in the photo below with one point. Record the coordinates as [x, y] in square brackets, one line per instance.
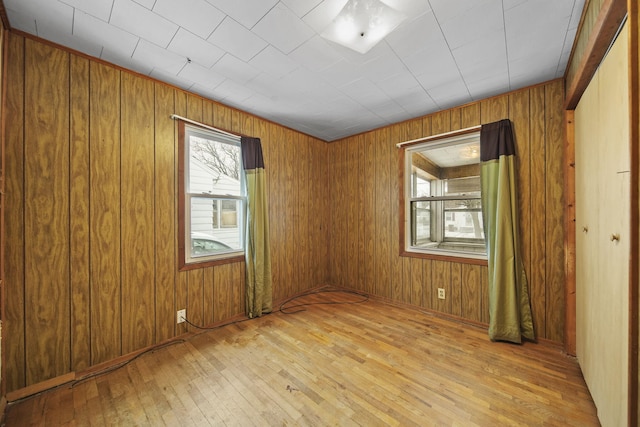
[605, 28]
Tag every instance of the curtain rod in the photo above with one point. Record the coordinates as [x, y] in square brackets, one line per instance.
[193, 122]
[440, 136]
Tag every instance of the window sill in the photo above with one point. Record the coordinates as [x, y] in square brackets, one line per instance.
[444, 255]
[211, 262]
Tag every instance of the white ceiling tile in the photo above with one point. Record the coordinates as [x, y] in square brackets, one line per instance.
[365, 92]
[146, 3]
[438, 73]
[197, 16]
[322, 15]
[126, 61]
[383, 66]
[510, 4]
[450, 94]
[157, 57]
[414, 34]
[195, 48]
[282, 28]
[576, 14]
[232, 68]
[315, 54]
[201, 76]
[273, 62]
[52, 33]
[320, 88]
[246, 12]
[56, 16]
[416, 102]
[171, 79]
[301, 7]
[491, 84]
[482, 18]
[237, 40]
[101, 9]
[99, 32]
[410, 8]
[341, 73]
[403, 82]
[233, 93]
[21, 21]
[138, 20]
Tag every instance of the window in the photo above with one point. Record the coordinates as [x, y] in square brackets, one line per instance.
[214, 196]
[443, 214]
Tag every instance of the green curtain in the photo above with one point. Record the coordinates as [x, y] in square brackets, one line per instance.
[509, 306]
[258, 259]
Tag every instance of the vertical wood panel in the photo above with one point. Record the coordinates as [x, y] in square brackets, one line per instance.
[222, 282]
[303, 240]
[519, 115]
[417, 282]
[165, 213]
[195, 304]
[485, 294]
[353, 190]
[290, 213]
[471, 292]
[320, 198]
[368, 217]
[14, 304]
[208, 300]
[137, 213]
[470, 115]
[47, 211]
[427, 280]
[441, 278]
[276, 200]
[494, 109]
[554, 231]
[456, 289]
[104, 201]
[538, 206]
[361, 192]
[79, 215]
[195, 280]
[397, 132]
[383, 207]
[181, 290]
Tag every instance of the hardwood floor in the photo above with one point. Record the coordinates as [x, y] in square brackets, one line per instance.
[367, 363]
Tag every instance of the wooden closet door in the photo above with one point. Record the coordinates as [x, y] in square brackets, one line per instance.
[603, 234]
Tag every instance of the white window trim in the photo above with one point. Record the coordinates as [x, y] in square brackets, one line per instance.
[226, 138]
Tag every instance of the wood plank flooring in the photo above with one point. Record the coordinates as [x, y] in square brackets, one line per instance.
[336, 363]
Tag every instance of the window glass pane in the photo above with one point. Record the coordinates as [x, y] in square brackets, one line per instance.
[463, 220]
[229, 213]
[467, 186]
[214, 195]
[207, 240]
[421, 222]
[214, 167]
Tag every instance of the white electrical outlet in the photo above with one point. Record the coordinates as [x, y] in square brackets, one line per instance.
[181, 315]
[440, 293]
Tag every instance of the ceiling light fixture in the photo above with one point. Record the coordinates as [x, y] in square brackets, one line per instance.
[361, 24]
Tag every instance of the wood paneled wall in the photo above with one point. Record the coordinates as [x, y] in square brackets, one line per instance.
[91, 199]
[364, 236]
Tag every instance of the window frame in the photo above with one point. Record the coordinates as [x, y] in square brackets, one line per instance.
[407, 249]
[185, 261]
